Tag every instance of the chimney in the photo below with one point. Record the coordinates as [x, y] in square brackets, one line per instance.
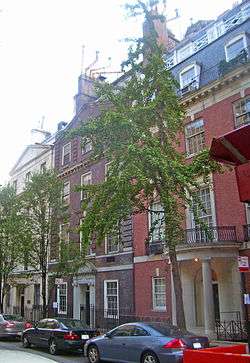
[165, 38]
[61, 125]
[86, 91]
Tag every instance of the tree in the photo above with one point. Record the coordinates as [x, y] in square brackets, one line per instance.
[13, 239]
[45, 211]
[138, 130]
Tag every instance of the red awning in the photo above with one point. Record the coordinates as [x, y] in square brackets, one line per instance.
[233, 147]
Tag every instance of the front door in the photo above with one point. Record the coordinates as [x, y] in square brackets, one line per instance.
[22, 305]
[87, 301]
[216, 301]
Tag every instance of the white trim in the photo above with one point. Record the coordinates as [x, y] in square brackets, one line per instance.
[89, 173]
[158, 308]
[115, 268]
[105, 297]
[234, 40]
[128, 252]
[197, 70]
[64, 312]
[106, 247]
[63, 153]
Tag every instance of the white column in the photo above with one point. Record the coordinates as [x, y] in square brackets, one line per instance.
[209, 319]
[76, 301]
[92, 304]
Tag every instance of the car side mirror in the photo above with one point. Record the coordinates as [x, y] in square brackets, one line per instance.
[108, 335]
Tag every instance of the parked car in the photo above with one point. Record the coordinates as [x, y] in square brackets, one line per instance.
[143, 343]
[58, 334]
[11, 325]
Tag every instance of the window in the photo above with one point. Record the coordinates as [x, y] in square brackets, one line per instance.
[42, 324]
[37, 294]
[195, 137]
[156, 221]
[159, 293]
[66, 192]
[111, 299]
[90, 250]
[204, 213]
[64, 233]
[86, 145]
[234, 47]
[27, 177]
[124, 331]
[242, 112]
[107, 167]
[112, 243]
[66, 153]
[15, 185]
[62, 298]
[86, 179]
[43, 167]
[184, 52]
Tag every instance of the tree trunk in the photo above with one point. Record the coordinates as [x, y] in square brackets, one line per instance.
[180, 315]
[1, 293]
[44, 293]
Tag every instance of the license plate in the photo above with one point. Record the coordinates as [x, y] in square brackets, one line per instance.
[197, 345]
[85, 336]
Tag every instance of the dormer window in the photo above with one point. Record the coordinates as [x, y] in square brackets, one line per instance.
[86, 145]
[235, 46]
[66, 153]
[185, 52]
[190, 78]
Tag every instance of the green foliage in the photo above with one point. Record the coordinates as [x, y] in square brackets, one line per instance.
[13, 236]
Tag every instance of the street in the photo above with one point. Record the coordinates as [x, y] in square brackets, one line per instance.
[63, 358]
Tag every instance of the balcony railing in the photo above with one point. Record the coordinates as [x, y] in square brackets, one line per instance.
[210, 235]
[247, 232]
[199, 236]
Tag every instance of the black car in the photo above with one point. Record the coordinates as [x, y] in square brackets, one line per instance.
[58, 334]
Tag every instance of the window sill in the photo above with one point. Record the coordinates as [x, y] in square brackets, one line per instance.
[159, 310]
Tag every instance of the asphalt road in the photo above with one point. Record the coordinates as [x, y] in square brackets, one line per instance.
[63, 358]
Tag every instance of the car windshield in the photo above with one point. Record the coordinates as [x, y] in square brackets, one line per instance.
[13, 317]
[73, 324]
[169, 330]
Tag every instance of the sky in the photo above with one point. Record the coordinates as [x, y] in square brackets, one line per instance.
[41, 56]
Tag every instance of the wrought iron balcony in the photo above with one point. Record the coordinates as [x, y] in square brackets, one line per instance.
[213, 235]
[225, 67]
[201, 236]
[247, 232]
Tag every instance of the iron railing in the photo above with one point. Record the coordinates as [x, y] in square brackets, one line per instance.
[233, 330]
[246, 232]
[198, 236]
[34, 313]
[212, 235]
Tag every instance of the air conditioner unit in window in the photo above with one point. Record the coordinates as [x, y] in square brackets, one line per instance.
[190, 87]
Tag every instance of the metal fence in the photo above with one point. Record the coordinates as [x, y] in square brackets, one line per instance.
[34, 313]
[233, 330]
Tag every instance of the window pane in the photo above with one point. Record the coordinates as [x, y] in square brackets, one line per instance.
[159, 293]
[242, 112]
[188, 77]
[204, 213]
[157, 221]
[235, 48]
[195, 137]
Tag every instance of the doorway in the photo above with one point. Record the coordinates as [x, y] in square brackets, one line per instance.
[216, 300]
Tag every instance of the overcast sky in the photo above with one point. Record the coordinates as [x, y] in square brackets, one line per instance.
[40, 57]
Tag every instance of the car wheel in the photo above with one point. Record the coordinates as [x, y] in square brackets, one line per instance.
[149, 357]
[53, 347]
[26, 343]
[93, 354]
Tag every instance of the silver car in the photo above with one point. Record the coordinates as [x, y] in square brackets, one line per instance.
[143, 343]
[11, 325]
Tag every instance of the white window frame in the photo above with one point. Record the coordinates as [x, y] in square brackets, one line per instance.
[189, 214]
[187, 49]
[60, 231]
[187, 138]
[66, 197]
[107, 165]
[27, 177]
[155, 307]
[106, 315]
[84, 149]
[106, 247]
[90, 251]
[248, 213]
[89, 173]
[64, 312]
[63, 152]
[234, 40]
[243, 99]
[197, 70]
[150, 222]
[43, 167]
